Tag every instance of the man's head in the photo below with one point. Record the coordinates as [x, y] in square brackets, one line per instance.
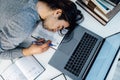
[57, 14]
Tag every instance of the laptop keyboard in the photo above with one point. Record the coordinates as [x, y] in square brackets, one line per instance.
[81, 54]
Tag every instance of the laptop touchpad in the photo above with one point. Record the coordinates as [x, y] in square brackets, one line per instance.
[68, 47]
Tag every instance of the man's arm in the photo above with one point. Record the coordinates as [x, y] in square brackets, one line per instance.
[16, 30]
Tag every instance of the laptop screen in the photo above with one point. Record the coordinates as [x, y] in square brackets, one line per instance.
[105, 58]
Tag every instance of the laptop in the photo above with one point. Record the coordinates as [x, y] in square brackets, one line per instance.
[77, 53]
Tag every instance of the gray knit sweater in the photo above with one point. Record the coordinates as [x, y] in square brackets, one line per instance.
[17, 20]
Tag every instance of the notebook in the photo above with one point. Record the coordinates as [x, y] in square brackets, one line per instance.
[75, 55]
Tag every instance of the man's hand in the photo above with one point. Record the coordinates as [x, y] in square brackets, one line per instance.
[37, 47]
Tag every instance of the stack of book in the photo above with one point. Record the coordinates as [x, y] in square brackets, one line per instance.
[102, 10]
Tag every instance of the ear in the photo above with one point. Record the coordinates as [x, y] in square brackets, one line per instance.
[57, 12]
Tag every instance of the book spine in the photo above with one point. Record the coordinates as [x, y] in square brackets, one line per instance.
[110, 2]
[85, 1]
[85, 7]
[114, 2]
[96, 10]
[112, 13]
[111, 7]
[101, 6]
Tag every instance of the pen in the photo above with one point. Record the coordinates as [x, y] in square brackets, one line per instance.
[35, 38]
[40, 43]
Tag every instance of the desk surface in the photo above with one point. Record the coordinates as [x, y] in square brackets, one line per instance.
[90, 23]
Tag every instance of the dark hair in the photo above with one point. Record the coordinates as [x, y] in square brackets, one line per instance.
[70, 12]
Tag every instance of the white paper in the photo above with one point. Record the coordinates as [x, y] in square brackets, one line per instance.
[1, 78]
[45, 56]
[40, 32]
[4, 64]
[59, 77]
[30, 67]
[13, 73]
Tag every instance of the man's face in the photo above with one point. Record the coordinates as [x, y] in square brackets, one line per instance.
[52, 23]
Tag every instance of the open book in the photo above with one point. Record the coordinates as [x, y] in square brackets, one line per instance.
[55, 37]
[25, 68]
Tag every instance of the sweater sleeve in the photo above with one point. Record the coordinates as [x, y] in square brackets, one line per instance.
[16, 30]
